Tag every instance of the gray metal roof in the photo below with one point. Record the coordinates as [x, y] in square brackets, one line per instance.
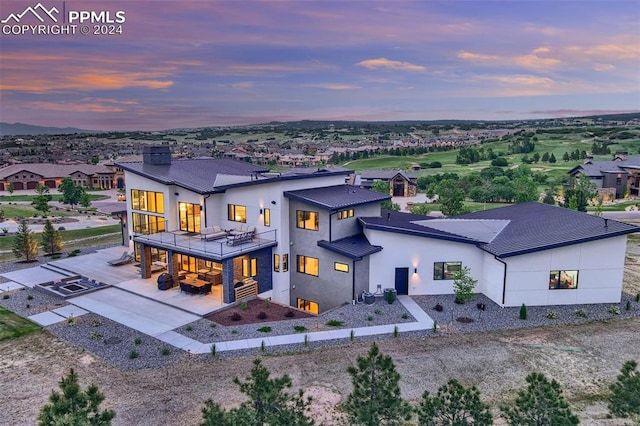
[596, 168]
[508, 231]
[386, 174]
[336, 197]
[354, 247]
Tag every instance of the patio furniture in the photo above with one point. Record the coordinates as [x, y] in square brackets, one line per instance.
[122, 260]
[165, 282]
[234, 238]
[212, 233]
[194, 286]
[158, 266]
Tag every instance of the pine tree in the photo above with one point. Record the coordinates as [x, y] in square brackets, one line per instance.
[624, 400]
[540, 404]
[51, 239]
[552, 158]
[268, 403]
[375, 399]
[545, 157]
[25, 243]
[75, 407]
[454, 405]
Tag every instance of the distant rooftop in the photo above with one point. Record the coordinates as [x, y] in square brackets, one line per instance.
[336, 197]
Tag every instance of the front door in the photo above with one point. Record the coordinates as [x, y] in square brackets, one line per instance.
[402, 280]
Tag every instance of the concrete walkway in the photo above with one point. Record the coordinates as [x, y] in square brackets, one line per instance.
[159, 320]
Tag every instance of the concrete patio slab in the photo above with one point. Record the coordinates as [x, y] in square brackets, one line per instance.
[70, 311]
[139, 313]
[11, 285]
[95, 266]
[46, 318]
[31, 276]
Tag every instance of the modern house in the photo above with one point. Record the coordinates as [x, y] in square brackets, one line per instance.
[620, 176]
[30, 175]
[304, 238]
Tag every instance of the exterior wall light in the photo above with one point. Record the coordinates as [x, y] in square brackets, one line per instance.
[260, 211]
[415, 270]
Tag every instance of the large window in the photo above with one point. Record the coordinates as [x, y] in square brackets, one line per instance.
[237, 213]
[307, 305]
[147, 224]
[189, 217]
[267, 217]
[342, 267]
[307, 220]
[563, 279]
[343, 214]
[147, 201]
[308, 265]
[445, 270]
[249, 267]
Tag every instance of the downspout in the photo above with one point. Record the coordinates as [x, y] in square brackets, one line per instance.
[353, 280]
[205, 209]
[504, 279]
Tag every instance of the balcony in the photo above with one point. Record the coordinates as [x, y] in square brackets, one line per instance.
[193, 245]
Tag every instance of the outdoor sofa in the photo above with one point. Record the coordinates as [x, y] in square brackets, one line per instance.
[212, 233]
[122, 260]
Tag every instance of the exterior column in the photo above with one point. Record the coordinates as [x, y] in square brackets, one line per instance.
[228, 292]
[173, 263]
[145, 261]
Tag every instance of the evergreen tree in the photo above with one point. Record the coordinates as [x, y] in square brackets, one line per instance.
[540, 404]
[545, 157]
[375, 399]
[51, 239]
[552, 158]
[41, 200]
[268, 403]
[565, 157]
[624, 400]
[10, 188]
[25, 243]
[84, 200]
[75, 407]
[454, 405]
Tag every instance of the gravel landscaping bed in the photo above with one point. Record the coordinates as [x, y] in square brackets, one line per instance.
[453, 318]
[117, 344]
[352, 316]
[28, 301]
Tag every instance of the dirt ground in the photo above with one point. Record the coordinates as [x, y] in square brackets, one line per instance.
[584, 358]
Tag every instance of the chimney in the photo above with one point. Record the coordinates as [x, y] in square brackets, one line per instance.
[156, 155]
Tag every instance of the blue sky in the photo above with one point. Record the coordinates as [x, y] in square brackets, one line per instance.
[190, 64]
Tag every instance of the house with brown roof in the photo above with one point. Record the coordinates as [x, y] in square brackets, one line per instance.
[30, 175]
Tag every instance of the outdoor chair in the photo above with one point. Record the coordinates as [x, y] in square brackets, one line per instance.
[122, 260]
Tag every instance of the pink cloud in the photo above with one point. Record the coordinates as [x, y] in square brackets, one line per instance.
[373, 64]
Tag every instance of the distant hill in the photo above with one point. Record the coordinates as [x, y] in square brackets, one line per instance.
[17, 129]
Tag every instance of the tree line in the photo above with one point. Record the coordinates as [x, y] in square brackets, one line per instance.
[374, 400]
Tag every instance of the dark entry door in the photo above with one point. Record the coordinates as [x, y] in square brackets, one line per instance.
[402, 280]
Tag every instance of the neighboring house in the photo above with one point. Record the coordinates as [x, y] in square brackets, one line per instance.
[30, 175]
[316, 243]
[621, 175]
[401, 183]
[529, 253]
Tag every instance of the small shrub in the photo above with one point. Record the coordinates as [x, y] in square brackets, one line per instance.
[581, 313]
[265, 329]
[234, 331]
[523, 312]
[243, 306]
[235, 316]
[28, 306]
[551, 315]
[370, 318]
[306, 340]
[261, 315]
[395, 331]
[352, 335]
[267, 302]
[335, 323]
[404, 315]
[5, 296]
[627, 307]
[213, 325]
[481, 306]
[133, 355]
[188, 328]
[290, 314]
[263, 347]
[213, 350]
[638, 297]
[137, 340]
[391, 297]
[377, 312]
[95, 335]
[55, 256]
[71, 321]
[438, 307]
[435, 327]
[299, 328]
[29, 297]
[614, 310]
[96, 323]
[165, 351]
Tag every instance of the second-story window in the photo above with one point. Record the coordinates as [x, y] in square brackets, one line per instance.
[237, 213]
[343, 214]
[307, 220]
[147, 201]
[267, 217]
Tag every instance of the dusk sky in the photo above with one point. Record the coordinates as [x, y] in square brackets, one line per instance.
[184, 64]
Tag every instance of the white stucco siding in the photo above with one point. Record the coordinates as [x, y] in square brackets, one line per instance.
[600, 266]
[408, 251]
[491, 284]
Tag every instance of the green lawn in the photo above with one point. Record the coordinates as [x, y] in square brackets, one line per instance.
[472, 206]
[6, 242]
[23, 210]
[13, 326]
[617, 207]
[54, 197]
